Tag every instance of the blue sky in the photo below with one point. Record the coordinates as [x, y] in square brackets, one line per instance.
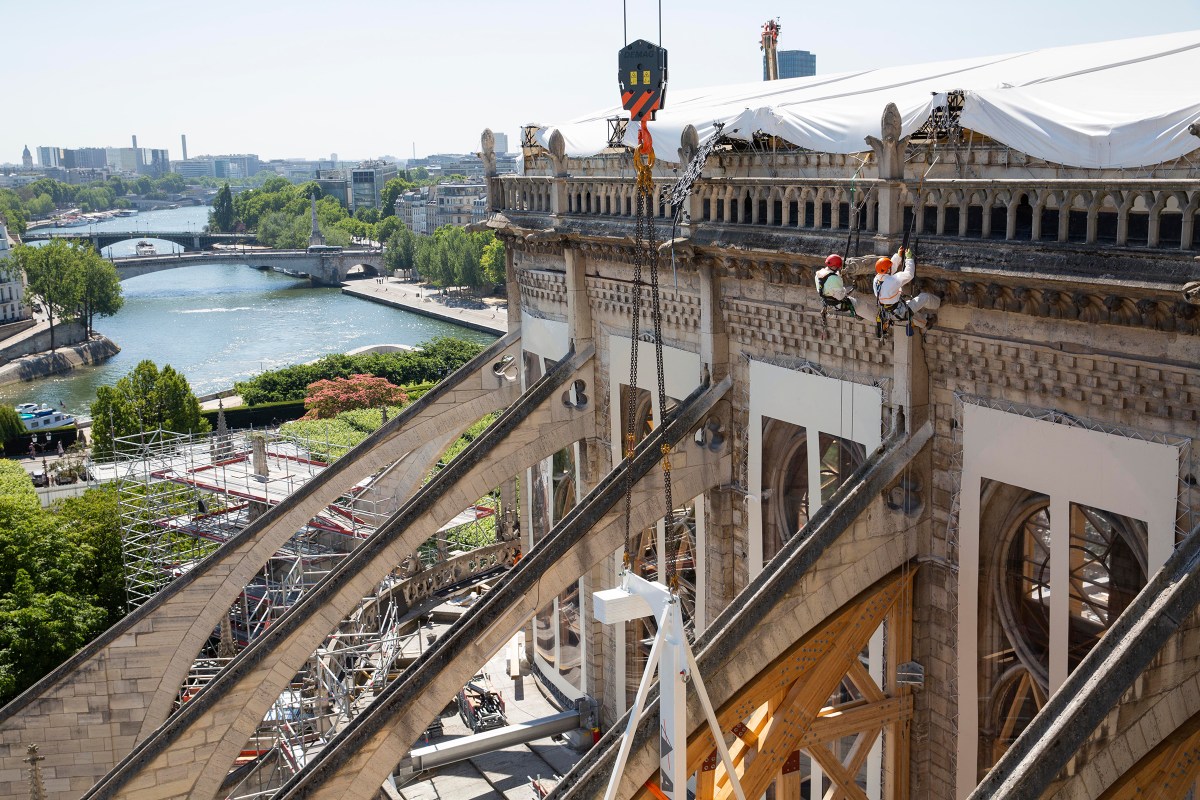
[372, 77]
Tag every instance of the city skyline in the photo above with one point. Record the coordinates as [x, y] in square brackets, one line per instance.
[390, 77]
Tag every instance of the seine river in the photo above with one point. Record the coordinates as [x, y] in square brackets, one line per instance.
[221, 323]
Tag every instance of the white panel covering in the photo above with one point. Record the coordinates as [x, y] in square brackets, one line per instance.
[1072, 465]
[1113, 104]
[546, 337]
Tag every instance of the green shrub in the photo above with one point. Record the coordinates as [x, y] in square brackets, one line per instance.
[435, 360]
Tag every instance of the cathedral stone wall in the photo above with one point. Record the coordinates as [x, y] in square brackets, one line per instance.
[1021, 342]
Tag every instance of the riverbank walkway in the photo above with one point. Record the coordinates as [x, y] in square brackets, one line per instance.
[489, 314]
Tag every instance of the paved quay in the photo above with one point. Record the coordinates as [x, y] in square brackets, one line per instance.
[489, 315]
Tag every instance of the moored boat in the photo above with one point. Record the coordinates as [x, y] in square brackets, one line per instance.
[43, 417]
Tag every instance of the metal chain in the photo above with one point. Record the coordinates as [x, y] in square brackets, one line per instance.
[672, 541]
[646, 254]
[631, 395]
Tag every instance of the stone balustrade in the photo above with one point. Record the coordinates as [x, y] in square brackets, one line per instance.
[1155, 213]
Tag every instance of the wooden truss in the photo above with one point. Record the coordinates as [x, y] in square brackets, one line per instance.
[815, 695]
[1168, 771]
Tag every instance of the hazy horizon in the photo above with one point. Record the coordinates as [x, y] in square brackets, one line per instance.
[299, 81]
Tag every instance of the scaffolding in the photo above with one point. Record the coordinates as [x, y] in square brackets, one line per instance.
[180, 496]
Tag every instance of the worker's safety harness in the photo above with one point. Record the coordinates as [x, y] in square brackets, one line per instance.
[832, 302]
[890, 313]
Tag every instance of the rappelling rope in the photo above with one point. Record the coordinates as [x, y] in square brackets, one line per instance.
[646, 254]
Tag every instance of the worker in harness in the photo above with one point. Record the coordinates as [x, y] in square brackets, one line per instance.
[835, 294]
[893, 306]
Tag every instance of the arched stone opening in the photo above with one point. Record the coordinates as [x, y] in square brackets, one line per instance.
[360, 272]
[1107, 567]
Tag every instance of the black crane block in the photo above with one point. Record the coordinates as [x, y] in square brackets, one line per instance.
[642, 73]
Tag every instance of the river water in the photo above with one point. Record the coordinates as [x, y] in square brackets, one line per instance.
[220, 323]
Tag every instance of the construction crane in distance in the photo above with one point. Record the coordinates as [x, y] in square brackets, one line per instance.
[770, 47]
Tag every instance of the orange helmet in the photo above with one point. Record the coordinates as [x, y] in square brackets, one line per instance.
[833, 261]
[883, 266]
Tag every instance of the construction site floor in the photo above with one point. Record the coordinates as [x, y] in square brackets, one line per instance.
[503, 773]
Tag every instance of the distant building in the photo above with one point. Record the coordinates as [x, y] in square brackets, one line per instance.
[506, 163]
[84, 158]
[422, 218]
[454, 202]
[501, 142]
[333, 184]
[50, 156]
[154, 163]
[15, 180]
[229, 166]
[134, 160]
[366, 183]
[794, 64]
[469, 165]
[26, 158]
[122, 159]
[238, 165]
[12, 288]
[406, 205]
[296, 170]
[198, 167]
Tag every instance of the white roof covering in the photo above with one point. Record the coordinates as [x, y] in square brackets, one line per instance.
[1126, 103]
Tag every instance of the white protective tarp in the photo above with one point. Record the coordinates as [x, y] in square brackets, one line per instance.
[1126, 103]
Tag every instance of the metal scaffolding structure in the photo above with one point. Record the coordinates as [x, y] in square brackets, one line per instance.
[180, 496]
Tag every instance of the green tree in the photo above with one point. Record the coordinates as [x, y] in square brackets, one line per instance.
[61, 580]
[391, 192]
[92, 523]
[387, 227]
[367, 215]
[221, 218]
[99, 288]
[10, 424]
[12, 211]
[52, 275]
[401, 249]
[171, 183]
[39, 631]
[275, 183]
[40, 206]
[143, 401]
[492, 261]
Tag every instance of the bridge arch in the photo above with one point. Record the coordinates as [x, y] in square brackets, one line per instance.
[128, 247]
[361, 271]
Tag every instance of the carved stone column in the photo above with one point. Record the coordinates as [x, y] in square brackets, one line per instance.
[487, 155]
[512, 288]
[579, 310]
[558, 164]
[889, 154]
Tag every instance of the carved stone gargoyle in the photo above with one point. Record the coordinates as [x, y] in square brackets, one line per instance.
[889, 150]
[689, 144]
[558, 154]
[487, 141]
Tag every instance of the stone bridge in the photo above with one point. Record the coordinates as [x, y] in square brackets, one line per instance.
[189, 240]
[328, 268]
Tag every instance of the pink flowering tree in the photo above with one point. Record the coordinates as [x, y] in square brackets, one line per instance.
[327, 398]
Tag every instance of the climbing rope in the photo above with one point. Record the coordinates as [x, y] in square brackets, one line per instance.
[646, 257]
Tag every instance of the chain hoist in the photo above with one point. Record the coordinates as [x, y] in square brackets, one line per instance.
[643, 77]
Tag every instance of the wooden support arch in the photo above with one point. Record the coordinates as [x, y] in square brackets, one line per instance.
[790, 707]
[1167, 771]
